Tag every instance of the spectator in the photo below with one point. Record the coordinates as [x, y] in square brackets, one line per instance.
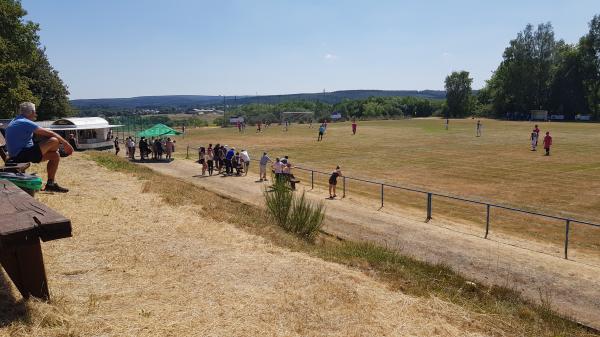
[333, 181]
[246, 161]
[263, 166]
[22, 149]
[117, 148]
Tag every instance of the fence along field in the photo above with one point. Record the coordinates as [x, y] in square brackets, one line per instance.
[419, 153]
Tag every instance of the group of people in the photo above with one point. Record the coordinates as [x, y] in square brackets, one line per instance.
[224, 159]
[155, 147]
[535, 135]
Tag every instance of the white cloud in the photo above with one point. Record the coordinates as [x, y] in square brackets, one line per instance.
[329, 56]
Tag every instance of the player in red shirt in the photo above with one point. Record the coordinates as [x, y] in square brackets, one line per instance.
[353, 126]
[547, 143]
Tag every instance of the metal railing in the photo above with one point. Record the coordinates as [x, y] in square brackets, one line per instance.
[429, 195]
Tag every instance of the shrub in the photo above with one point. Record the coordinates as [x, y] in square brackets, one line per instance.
[295, 214]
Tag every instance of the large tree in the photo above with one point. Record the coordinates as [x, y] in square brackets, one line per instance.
[522, 80]
[458, 93]
[25, 73]
[590, 49]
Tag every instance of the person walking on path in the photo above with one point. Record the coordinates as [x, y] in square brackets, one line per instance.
[353, 126]
[333, 181]
[264, 160]
[479, 127]
[321, 132]
[117, 148]
[534, 139]
[547, 143]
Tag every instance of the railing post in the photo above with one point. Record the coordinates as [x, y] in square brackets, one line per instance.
[344, 188]
[381, 195]
[187, 152]
[428, 207]
[312, 179]
[487, 221]
[567, 238]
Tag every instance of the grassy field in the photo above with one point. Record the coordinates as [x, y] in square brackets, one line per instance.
[497, 167]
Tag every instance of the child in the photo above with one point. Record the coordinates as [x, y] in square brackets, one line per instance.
[353, 126]
[321, 132]
[533, 140]
[547, 143]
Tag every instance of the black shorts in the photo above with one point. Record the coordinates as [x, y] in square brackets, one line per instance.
[31, 154]
[332, 182]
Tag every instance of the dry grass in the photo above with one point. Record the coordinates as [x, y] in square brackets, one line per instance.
[154, 256]
[497, 167]
[499, 310]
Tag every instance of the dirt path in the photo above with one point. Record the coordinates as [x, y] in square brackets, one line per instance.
[136, 266]
[573, 288]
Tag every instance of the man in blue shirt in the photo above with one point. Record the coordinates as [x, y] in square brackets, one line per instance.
[22, 149]
[228, 161]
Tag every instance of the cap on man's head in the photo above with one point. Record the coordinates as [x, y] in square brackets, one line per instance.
[26, 108]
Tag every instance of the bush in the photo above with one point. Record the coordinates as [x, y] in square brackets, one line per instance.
[294, 214]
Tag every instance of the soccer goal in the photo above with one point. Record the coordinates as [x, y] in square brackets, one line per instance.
[297, 116]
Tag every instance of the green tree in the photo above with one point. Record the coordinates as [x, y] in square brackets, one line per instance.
[590, 49]
[25, 73]
[458, 93]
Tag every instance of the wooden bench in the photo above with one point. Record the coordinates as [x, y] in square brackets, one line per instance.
[23, 222]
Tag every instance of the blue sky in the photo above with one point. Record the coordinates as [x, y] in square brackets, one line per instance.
[131, 48]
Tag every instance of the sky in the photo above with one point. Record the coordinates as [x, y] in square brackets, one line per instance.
[127, 48]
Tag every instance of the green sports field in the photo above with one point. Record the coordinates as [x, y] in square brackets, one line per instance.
[498, 167]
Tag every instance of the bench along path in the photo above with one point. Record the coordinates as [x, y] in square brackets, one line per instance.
[573, 288]
[23, 222]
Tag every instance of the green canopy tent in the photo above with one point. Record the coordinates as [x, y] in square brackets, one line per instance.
[158, 130]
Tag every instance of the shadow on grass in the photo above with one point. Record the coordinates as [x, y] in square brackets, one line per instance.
[11, 308]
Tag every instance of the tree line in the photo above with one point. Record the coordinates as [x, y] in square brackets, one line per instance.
[538, 72]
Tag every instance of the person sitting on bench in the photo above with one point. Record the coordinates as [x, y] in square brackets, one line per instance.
[22, 149]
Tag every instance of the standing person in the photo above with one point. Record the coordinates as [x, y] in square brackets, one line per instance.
[218, 158]
[117, 148]
[229, 161]
[447, 123]
[169, 146]
[333, 181]
[286, 125]
[239, 126]
[131, 145]
[202, 159]
[533, 140]
[246, 158]
[258, 127]
[21, 148]
[537, 131]
[547, 143]
[479, 126]
[72, 141]
[143, 148]
[237, 164]
[210, 156]
[278, 168]
[353, 126]
[264, 160]
[321, 132]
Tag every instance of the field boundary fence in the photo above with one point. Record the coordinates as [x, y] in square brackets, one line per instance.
[568, 222]
[382, 186]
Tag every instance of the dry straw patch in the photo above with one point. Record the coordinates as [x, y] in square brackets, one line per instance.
[140, 266]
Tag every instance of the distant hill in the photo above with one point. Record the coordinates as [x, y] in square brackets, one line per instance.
[189, 101]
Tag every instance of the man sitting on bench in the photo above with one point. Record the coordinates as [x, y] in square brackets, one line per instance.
[21, 149]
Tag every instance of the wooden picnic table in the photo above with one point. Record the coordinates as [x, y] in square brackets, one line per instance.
[23, 222]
